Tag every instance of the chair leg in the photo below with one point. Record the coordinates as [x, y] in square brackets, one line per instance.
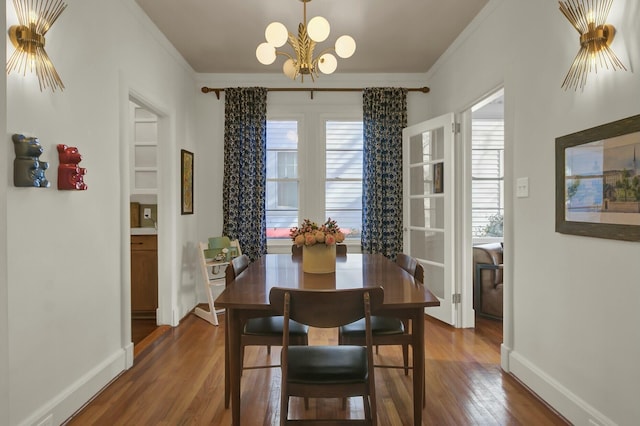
[405, 358]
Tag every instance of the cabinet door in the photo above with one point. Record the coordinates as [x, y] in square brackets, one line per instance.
[144, 275]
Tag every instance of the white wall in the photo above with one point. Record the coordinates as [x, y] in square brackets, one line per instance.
[4, 287]
[571, 327]
[67, 261]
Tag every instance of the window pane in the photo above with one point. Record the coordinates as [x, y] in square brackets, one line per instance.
[343, 187]
[487, 158]
[282, 203]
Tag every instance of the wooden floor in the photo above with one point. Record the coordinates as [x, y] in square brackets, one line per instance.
[178, 379]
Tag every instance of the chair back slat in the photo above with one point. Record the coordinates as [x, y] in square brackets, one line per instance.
[236, 266]
[326, 308]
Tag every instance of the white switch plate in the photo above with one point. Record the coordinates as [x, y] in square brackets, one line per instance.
[147, 213]
[522, 187]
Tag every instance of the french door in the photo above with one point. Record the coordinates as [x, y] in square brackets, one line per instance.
[428, 211]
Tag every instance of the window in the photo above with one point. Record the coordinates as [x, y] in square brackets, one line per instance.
[343, 193]
[307, 177]
[282, 178]
[487, 158]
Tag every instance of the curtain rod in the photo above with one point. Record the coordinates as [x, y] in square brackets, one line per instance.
[304, 89]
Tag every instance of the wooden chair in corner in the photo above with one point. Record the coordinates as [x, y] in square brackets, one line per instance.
[337, 371]
[266, 331]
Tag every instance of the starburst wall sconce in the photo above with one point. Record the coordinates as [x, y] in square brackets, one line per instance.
[36, 18]
[588, 17]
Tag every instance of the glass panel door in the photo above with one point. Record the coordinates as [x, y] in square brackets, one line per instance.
[428, 150]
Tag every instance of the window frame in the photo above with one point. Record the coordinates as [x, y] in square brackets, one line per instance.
[312, 158]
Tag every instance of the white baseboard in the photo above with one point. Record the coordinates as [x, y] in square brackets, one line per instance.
[569, 405]
[71, 399]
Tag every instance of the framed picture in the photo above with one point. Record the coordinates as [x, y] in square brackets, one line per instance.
[186, 182]
[598, 181]
[438, 178]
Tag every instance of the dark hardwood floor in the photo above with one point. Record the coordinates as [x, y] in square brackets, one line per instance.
[178, 379]
[141, 328]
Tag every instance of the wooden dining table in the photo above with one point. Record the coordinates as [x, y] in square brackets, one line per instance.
[248, 297]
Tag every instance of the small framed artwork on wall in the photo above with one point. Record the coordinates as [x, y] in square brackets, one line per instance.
[438, 178]
[186, 183]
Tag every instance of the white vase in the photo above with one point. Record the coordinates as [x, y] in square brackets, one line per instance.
[319, 259]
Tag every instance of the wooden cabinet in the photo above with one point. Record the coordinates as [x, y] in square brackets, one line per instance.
[144, 276]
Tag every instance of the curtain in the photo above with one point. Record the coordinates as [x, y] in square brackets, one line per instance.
[384, 116]
[244, 182]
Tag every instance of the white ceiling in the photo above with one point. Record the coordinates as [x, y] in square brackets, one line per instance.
[392, 36]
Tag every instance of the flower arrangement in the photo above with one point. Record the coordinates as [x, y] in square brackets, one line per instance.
[310, 233]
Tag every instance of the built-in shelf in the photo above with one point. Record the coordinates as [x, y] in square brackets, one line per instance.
[144, 151]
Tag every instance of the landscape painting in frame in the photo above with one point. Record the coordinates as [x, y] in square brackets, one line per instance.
[598, 181]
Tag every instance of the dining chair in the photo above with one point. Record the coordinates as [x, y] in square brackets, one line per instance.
[387, 330]
[263, 331]
[327, 371]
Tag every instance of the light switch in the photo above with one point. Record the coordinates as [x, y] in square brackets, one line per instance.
[522, 187]
[147, 213]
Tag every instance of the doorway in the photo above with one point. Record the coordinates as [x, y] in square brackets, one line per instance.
[143, 197]
[486, 183]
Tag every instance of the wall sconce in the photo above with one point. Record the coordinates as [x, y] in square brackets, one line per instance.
[36, 18]
[588, 17]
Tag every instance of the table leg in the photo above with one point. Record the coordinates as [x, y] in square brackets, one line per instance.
[227, 376]
[234, 363]
[418, 366]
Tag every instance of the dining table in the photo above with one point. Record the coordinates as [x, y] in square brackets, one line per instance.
[248, 297]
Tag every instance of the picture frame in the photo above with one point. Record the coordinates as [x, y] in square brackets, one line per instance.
[598, 181]
[438, 178]
[186, 182]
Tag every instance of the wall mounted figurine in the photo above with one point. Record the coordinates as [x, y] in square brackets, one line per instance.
[70, 175]
[28, 170]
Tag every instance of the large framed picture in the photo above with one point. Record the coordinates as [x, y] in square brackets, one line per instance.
[598, 181]
[186, 182]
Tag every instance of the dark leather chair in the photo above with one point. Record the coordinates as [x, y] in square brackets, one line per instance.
[266, 331]
[386, 330]
[337, 371]
[487, 279]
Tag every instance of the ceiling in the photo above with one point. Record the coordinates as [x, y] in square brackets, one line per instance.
[392, 36]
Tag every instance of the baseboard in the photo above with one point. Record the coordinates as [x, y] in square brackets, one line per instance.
[561, 399]
[59, 409]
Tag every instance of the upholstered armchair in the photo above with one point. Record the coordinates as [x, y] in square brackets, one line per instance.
[487, 280]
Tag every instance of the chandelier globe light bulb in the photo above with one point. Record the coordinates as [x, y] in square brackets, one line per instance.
[327, 63]
[276, 34]
[266, 53]
[345, 46]
[289, 69]
[318, 29]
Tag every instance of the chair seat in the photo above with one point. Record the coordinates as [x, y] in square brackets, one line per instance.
[327, 364]
[379, 326]
[273, 326]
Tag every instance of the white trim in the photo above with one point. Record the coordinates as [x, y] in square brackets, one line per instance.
[572, 407]
[64, 404]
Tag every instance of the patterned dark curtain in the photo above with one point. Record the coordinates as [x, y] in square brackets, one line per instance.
[384, 115]
[244, 182]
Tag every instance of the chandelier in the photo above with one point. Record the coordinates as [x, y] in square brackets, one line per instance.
[303, 62]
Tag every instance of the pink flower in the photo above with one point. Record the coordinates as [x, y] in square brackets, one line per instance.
[339, 237]
[299, 240]
[329, 239]
[309, 239]
[320, 236]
